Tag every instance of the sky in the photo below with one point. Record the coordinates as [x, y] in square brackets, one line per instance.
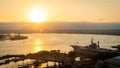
[61, 10]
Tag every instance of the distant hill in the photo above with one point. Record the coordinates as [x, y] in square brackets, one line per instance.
[61, 27]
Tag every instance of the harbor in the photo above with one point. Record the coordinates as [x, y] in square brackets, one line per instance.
[59, 34]
[91, 56]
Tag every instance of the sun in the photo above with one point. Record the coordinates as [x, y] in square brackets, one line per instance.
[37, 15]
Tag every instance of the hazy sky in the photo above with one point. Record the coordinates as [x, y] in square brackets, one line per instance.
[62, 10]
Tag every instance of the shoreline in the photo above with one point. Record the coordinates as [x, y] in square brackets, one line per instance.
[63, 33]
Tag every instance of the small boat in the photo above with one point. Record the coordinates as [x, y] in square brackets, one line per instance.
[117, 48]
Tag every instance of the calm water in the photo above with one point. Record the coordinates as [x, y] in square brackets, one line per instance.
[37, 42]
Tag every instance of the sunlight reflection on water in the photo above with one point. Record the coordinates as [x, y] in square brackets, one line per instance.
[38, 42]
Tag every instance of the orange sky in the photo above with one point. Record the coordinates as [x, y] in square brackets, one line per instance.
[62, 10]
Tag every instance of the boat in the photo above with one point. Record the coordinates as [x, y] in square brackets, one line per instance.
[94, 51]
[18, 37]
[117, 47]
[91, 47]
[12, 37]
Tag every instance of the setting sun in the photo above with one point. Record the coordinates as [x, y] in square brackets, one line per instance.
[37, 15]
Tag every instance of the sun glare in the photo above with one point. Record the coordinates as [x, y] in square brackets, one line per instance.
[38, 44]
[37, 49]
[37, 15]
